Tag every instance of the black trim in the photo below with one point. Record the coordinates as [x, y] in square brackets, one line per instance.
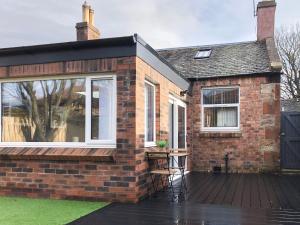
[69, 51]
[107, 42]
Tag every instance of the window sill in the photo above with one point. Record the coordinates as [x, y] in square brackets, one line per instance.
[150, 144]
[220, 134]
[58, 154]
[91, 145]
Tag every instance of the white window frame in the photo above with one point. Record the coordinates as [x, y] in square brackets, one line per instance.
[150, 143]
[88, 143]
[203, 106]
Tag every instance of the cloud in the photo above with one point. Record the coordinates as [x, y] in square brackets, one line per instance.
[162, 23]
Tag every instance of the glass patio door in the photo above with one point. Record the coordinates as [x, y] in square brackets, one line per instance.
[177, 126]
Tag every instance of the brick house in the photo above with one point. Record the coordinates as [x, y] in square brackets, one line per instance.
[77, 117]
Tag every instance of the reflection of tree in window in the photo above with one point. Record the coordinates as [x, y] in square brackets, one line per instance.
[43, 111]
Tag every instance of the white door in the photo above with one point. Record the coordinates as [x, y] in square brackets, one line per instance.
[177, 126]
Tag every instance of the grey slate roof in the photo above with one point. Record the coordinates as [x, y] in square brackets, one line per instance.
[290, 105]
[225, 60]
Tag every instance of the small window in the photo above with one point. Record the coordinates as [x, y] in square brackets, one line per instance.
[220, 109]
[202, 54]
[149, 114]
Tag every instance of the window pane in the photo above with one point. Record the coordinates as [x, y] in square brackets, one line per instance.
[149, 110]
[203, 54]
[102, 124]
[221, 117]
[221, 96]
[171, 125]
[43, 111]
[181, 127]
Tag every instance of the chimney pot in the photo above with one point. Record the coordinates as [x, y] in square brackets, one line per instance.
[86, 29]
[91, 16]
[85, 12]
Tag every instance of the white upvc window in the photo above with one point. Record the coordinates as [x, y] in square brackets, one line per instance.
[150, 119]
[59, 112]
[220, 109]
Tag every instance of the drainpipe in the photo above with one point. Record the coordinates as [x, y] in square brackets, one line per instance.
[226, 159]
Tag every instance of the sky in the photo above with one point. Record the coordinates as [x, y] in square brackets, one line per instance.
[161, 23]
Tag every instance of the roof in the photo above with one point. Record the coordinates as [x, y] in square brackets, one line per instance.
[233, 59]
[92, 49]
[290, 105]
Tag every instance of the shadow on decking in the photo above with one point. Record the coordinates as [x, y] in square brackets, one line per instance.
[235, 199]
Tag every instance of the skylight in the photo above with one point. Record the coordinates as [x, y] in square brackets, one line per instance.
[202, 54]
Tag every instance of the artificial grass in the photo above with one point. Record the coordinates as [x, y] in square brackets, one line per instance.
[25, 211]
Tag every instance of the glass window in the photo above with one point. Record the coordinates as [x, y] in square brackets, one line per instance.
[202, 54]
[79, 110]
[181, 127]
[43, 111]
[102, 125]
[220, 108]
[149, 113]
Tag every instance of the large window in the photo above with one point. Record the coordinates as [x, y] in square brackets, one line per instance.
[149, 114]
[59, 112]
[220, 109]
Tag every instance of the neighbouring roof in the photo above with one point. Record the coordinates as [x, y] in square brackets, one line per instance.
[290, 105]
[243, 58]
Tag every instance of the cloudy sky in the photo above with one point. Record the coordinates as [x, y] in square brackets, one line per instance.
[162, 23]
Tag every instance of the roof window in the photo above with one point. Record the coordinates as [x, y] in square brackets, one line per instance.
[203, 53]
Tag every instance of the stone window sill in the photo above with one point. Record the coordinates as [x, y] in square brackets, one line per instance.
[58, 154]
[237, 134]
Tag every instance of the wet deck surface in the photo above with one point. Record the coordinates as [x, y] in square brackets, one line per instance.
[236, 199]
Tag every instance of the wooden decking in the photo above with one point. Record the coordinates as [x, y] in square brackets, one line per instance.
[236, 199]
[245, 190]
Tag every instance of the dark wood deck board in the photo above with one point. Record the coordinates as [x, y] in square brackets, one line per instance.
[232, 190]
[238, 196]
[224, 192]
[246, 197]
[263, 195]
[202, 191]
[274, 203]
[291, 193]
[275, 182]
[255, 194]
[208, 202]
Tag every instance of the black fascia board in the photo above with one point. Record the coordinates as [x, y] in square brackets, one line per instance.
[69, 51]
[151, 57]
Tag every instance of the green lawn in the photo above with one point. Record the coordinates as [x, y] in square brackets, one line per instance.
[24, 211]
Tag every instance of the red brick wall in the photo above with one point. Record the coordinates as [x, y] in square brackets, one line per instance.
[67, 180]
[110, 181]
[124, 179]
[163, 89]
[256, 146]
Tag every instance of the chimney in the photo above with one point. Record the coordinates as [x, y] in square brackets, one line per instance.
[265, 19]
[85, 29]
